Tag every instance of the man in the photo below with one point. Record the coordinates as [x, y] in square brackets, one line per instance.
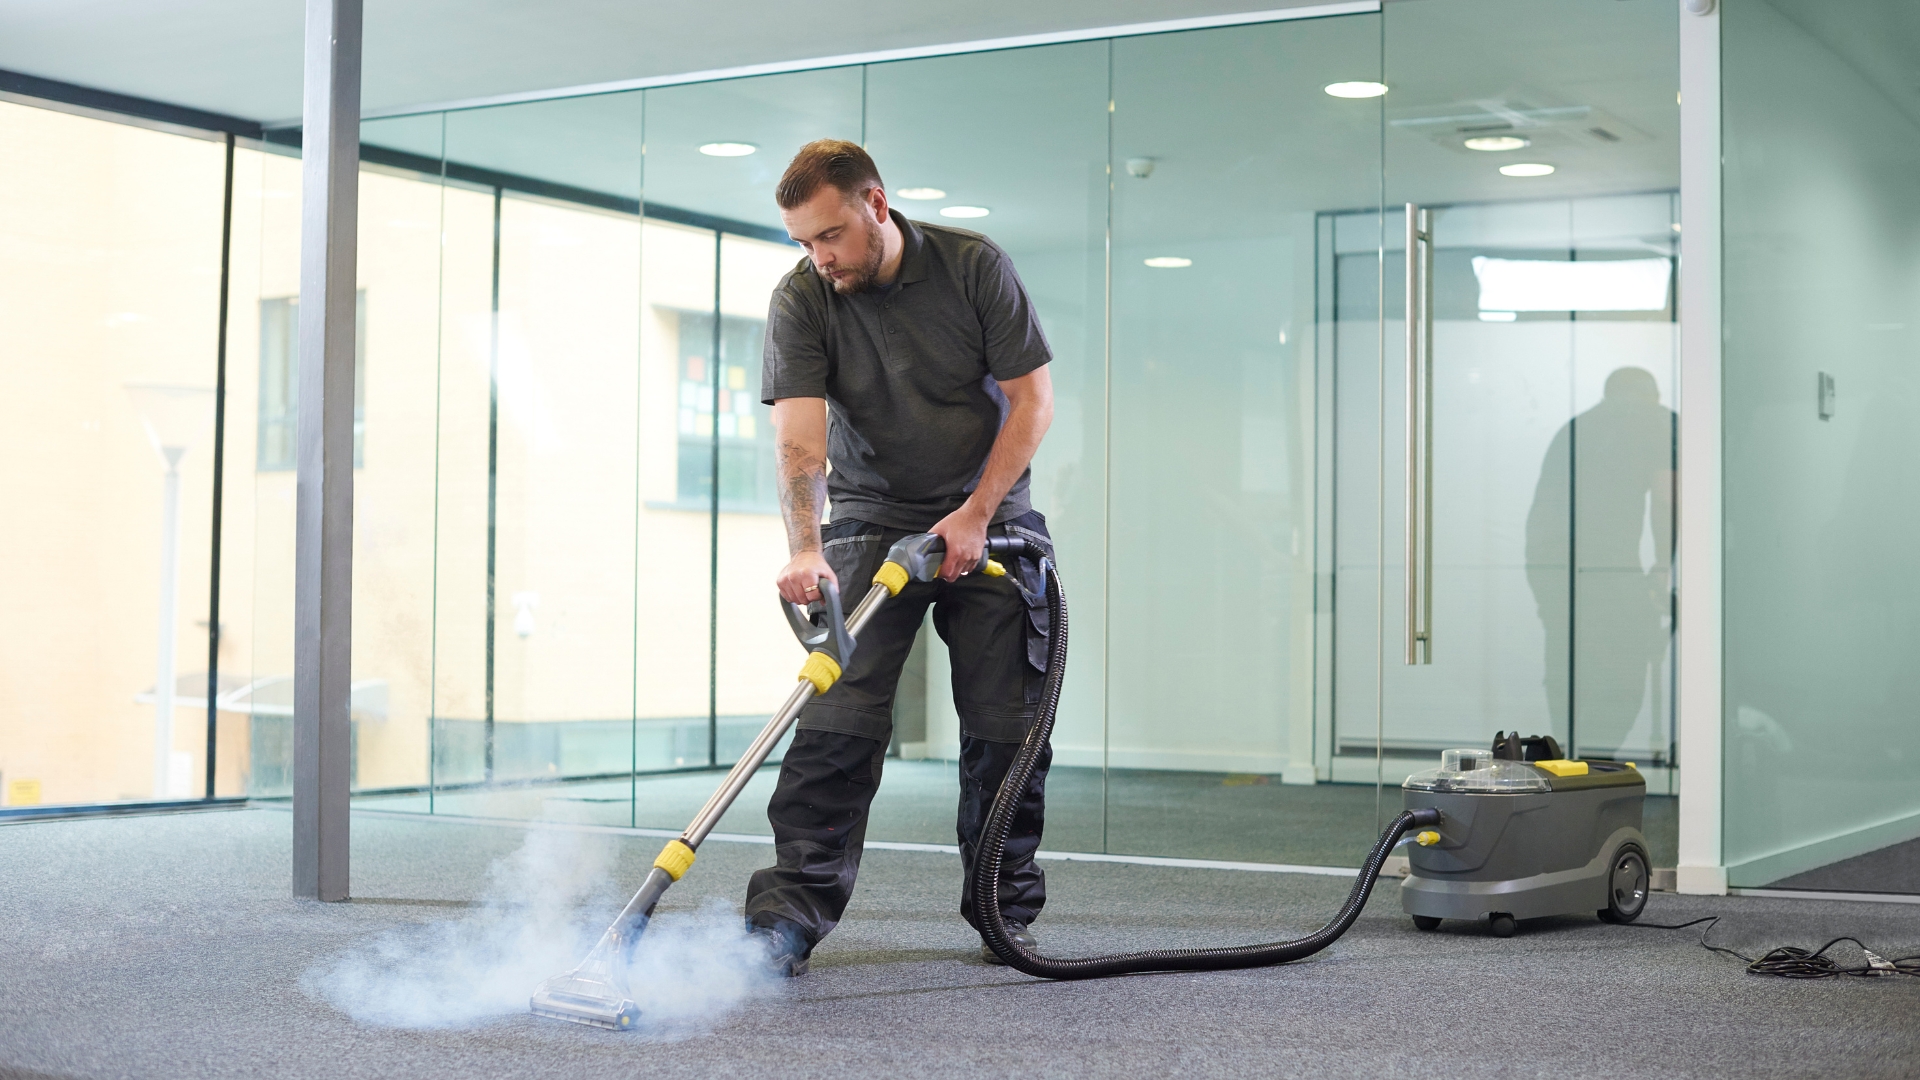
[921, 345]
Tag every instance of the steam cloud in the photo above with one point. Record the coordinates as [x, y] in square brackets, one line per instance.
[543, 908]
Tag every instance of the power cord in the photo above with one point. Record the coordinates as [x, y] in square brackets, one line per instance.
[1792, 962]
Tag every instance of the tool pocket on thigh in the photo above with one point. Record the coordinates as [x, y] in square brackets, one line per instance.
[1033, 586]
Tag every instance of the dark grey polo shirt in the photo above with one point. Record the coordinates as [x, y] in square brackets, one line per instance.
[909, 373]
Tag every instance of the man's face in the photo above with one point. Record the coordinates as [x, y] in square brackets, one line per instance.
[841, 235]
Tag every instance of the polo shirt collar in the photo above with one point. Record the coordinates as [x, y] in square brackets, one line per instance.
[913, 252]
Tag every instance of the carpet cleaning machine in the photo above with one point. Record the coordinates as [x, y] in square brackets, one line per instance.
[1515, 833]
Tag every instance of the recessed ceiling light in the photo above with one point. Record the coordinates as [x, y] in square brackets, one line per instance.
[1356, 89]
[964, 211]
[1498, 142]
[1526, 169]
[920, 193]
[727, 149]
[1168, 262]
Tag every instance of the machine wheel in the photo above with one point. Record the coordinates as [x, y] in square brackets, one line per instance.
[1626, 886]
[1426, 922]
[1501, 924]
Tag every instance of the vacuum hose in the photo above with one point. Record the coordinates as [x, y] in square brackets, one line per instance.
[986, 872]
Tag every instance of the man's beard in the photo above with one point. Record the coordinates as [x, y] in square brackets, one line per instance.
[860, 278]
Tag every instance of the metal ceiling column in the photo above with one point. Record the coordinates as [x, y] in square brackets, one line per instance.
[323, 539]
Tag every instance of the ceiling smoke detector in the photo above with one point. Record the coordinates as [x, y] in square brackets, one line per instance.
[1140, 167]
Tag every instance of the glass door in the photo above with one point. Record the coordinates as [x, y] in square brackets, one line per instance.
[1502, 487]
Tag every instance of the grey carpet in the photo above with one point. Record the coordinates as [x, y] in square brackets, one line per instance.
[1243, 818]
[1894, 869]
[168, 947]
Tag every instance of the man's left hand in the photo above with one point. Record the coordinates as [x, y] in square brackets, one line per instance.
[965, 532]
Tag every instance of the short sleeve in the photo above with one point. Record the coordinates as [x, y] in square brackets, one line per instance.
[794, 361]
[1015, 344]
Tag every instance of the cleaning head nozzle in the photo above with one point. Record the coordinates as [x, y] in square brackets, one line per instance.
[585, 1001]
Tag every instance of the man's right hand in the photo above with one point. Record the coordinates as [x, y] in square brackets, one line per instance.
[800, 582]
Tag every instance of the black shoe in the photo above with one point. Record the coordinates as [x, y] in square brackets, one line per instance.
[787, 952]
[1020, 934]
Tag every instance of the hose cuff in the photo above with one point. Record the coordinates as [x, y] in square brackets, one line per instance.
[821, 670]
[675, 858]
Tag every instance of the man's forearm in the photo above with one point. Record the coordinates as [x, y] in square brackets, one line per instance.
[1013, 451]
[803, 495]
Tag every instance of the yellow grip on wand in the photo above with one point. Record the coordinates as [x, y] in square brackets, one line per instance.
[675, 858]
[893, 576]
[821, 670]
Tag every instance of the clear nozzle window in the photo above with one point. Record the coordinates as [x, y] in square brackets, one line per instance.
[1479, 771]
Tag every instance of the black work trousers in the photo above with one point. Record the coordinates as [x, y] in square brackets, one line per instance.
[997, 639]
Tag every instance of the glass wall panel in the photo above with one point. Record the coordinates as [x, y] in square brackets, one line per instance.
[1542, 142]
[1021, 135]
[109, 312]
[1822, 137]
[717, 656]
[535, 538]
[1218, 181]
[396, 368]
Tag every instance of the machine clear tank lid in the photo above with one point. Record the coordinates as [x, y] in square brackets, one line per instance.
[1479, 771]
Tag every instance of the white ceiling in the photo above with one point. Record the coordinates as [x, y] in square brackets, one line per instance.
[242, 57]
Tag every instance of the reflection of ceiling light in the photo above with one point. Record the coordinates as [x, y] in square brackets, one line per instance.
[1498, 142]
[1168, 262]
[1510, 285]
[1527, 169]
[728, 149]
[920, 193]
[1356, 89]
[964, 211]
[1497, 316]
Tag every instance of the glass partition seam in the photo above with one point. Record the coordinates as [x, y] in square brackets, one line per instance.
[1325, 376]
[1380, 395]
[219, 466]
[1106, 479]
[640, 364]
[439, 401]
[493, 481]
[713, 524]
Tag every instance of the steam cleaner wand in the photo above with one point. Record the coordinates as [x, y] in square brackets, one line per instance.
[595, 993]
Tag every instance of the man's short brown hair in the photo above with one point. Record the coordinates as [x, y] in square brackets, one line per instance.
[827, 161]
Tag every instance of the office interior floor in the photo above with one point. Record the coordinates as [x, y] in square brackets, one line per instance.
[168, 946]
[1196, 815]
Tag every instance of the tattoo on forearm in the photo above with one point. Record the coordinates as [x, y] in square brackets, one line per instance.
[803, 492]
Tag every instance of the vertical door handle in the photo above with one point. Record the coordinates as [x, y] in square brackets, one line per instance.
[1419, 435]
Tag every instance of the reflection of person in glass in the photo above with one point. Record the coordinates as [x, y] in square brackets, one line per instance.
[922, 346]
[1607, 483]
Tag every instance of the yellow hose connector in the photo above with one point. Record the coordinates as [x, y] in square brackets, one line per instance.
[893, 576]
[821, 670]
[1427, 838]
[993, 569]
[675, 858]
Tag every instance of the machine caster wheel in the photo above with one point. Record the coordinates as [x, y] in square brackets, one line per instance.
[1626, 886]
[1501, 924]
[1426, 922]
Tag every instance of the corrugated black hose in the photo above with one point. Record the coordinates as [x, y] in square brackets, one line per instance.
[986, 875]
